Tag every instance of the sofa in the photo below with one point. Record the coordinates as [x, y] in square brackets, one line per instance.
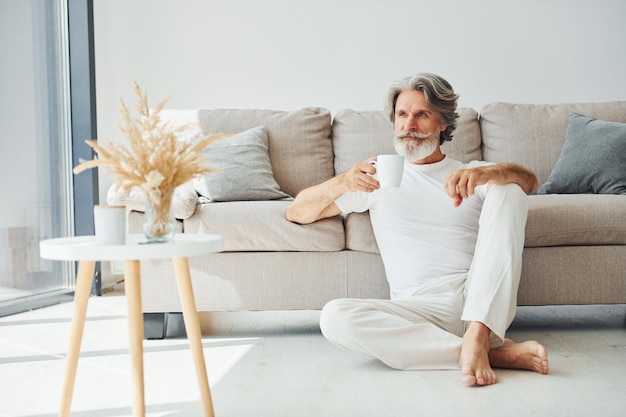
[575, 247]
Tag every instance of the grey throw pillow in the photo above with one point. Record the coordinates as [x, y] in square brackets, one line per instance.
[246, 171]
[592, 160]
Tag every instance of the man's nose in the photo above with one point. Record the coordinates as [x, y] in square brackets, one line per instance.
[411, 123]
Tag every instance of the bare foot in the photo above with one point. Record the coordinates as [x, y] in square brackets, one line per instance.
[474, 361]
[528, 355]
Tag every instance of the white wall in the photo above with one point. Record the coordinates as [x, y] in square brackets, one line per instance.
[287, 54]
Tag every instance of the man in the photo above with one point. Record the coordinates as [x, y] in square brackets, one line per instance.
[451, 239]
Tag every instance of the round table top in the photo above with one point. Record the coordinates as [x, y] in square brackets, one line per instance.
[85, 248]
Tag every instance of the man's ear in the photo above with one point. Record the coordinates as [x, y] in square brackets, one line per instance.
[442, 127]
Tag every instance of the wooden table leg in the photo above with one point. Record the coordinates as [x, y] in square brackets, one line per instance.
[132, 287]
[192, 326]
[82, 292]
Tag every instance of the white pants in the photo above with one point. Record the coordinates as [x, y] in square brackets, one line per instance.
[425, 330]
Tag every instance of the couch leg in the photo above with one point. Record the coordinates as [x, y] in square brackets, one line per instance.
[154, 325]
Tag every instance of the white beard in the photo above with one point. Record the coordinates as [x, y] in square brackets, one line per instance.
[416, 150]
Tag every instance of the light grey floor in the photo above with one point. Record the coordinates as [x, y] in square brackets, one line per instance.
[278, 364]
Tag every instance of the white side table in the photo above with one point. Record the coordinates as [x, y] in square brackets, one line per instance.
[85, 250]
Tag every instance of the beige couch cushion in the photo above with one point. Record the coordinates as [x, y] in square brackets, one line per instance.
[261, 226]
[553, 220]
[576, 219]
[533, 135]
[359, 233]
[359, 135]
[299, 143]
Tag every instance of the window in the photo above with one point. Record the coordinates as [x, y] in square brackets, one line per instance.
[36, 180]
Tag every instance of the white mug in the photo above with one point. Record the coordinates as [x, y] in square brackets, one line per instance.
[389, 170]
[110, 224]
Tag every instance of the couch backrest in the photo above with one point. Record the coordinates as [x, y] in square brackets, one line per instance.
[299, 142]
[359, 135]
[533, 135]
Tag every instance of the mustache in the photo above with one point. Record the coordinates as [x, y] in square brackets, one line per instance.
[415, 135]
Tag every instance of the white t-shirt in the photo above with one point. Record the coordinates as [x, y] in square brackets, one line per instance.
[420, 234]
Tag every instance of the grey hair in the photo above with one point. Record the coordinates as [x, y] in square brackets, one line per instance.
[439, 96]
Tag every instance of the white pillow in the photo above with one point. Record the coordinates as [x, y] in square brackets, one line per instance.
[183, 202]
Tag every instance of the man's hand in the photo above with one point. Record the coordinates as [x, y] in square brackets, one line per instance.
[359, 177]
[461, 183]
[318, 201]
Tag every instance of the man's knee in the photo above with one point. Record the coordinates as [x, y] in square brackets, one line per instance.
[506, 201]
[510, 194]
[335, 320]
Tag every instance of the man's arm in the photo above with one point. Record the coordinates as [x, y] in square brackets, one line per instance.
[318, 202]
[462, 182]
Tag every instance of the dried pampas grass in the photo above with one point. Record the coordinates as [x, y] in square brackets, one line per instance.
[155, 161]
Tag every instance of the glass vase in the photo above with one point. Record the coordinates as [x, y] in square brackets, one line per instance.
[159, 223]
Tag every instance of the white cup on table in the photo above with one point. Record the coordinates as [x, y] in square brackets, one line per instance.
[110, 224]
